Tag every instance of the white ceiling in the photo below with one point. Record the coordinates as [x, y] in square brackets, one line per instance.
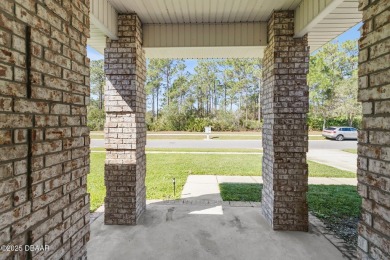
[171, 12]
[202, 11]
[345, 16]
[220, 52]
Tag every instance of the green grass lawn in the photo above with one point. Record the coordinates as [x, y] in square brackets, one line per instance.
[338, 206]
[236, 150]
[241, 191]
[95, 180]
[334, 201]
[324, 201]
[161, 168]
[322, 170]
[350, 151]
[98, 149]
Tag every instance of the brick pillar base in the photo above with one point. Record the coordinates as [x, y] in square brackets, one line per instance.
[124, 203]
[125, 130]
[374, 135]
[285, 134]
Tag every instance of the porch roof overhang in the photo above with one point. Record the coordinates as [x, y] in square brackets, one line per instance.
[219, 28]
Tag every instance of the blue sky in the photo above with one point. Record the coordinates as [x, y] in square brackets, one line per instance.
[351, 34]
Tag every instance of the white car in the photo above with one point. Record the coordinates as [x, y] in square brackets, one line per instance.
[340, 133]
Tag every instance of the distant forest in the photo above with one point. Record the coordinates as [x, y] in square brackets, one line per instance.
[225, 93]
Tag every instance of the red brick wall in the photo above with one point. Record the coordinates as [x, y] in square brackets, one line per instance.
[374, 136]
[44, 141]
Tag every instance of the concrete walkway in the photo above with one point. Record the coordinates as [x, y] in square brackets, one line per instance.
[207, 186]
[335, 158]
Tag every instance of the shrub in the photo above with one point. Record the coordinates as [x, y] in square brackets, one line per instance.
[225, 121]
[197, 124]
[95, 118]
[253, 125]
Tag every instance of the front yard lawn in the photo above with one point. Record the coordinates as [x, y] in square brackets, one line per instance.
[161, 168]
[338, 206]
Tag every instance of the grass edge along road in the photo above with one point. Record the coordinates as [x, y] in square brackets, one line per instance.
[161, 168]
[338, 206]
[354, 151]
[205, 150]
[202, 136]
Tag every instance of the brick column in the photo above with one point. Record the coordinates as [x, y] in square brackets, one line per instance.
[374, 136]
[125, 129]
[285, 134]
[44, 139]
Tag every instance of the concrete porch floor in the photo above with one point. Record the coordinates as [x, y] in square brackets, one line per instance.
[201, 229]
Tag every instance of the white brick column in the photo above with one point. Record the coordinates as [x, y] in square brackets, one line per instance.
[285, 103]
[125, 129]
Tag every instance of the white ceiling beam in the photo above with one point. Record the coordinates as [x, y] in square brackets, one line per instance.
[204, 52]
[310, 13]
[104, 17]
[204, 35]
[205, 40]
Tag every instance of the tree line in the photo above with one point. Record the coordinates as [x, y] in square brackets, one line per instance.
[333, 86]
[225, 93]
[221, 93]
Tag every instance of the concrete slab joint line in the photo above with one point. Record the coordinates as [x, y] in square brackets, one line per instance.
[125, 106]
[285, 170]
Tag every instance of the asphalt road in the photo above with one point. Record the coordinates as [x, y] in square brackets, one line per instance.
[323, 144]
